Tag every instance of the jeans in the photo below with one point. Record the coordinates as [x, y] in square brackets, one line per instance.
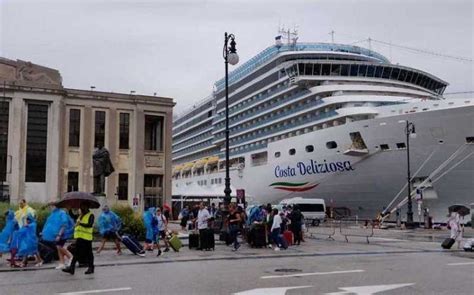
[234, 231]
[276, 237]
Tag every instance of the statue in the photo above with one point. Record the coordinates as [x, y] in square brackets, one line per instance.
[102, 168]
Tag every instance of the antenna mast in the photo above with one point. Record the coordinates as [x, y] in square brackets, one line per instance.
[291, 36]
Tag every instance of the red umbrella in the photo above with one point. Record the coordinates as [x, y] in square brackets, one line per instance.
[75, 199]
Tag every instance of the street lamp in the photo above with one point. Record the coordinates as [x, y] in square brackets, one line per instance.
[410, 133]
[230, 57]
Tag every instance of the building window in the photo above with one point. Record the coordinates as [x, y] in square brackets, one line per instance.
[401, 145]
[74, 127]
[292, 152]
[36, 143]
[122, 192]
[153, 133]
[309, 148]
[4, 115]
[73, 181]
[152, 190]
[124, 131]
[331, 145]
[99, 138]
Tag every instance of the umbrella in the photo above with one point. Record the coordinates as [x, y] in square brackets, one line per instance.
[75, 199]
[460, 209]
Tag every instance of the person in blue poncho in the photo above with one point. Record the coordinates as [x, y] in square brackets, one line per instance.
[7, 232]
[25, 243]
[58, 228]
[109, 225]
[151, 226]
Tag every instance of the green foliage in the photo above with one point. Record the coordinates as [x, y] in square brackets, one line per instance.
[3, 208]
[42, 212]
[132, 222]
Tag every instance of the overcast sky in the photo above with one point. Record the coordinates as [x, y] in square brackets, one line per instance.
[174, 47]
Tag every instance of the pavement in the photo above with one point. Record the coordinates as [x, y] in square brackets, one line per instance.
[393, 262]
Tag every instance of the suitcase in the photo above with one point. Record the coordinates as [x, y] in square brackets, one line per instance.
[175, 243]
[448, 243]
[206, 239]
[133, 245]
[258, 237]
[193, 241]
[284, 243]
[47, 251]
[289, 237]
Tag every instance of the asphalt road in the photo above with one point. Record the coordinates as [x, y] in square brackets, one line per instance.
[412, 272]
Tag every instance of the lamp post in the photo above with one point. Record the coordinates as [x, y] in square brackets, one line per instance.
[409, 132]
[230, 57]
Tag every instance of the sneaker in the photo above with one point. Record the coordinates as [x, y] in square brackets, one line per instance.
[159, 253]
[60, 266]
[39, 264]
[234, 249]
[166, 249]
[68, 261]
[270, 246]
[277, 249]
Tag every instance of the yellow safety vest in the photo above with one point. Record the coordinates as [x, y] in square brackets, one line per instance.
[81, 232]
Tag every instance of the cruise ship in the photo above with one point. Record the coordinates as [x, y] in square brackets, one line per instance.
[324, 120]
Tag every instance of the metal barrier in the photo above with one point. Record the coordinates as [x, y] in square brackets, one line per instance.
[350, 227]
[327, 229]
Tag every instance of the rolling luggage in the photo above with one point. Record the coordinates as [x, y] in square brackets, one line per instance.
[193, 240]
[448, 243]
[206, 239]
[133, 245]
[289, 237]
[47, 251]
[175, 243]
[257, 237]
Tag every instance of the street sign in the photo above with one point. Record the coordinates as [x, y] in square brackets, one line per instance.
[240, 197]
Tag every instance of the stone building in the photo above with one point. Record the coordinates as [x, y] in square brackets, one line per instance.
[48, 134]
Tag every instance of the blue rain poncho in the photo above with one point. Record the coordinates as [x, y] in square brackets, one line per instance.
[151, 224]
[25, 239]
[109, 222]
[56, 220]
[6, 235]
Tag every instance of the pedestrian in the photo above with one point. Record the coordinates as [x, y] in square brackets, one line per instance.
[83, 234]
[109, 225]
[6, 234]
[184, 216]
[23, 211]
[202, 219]
[58, 228]
[295, 225]
[276, 229]
[454, 223]
[25, 243]
[151, 226]
[234, 225]
[162, 228]
[213, 210]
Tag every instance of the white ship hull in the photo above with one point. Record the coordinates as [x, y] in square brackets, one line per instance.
[367, 183]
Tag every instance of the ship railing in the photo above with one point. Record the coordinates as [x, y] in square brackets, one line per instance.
[356, 227]
[326, 229]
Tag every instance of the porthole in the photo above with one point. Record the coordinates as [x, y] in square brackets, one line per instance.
[309, 148]
[277, 154]
[331, 144]
[292, 152]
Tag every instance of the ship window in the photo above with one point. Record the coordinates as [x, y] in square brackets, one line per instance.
[317, 70]
[370, 71]
[386, 72]
[470, 139]
[353, 71]
[384, 147]
[378, 72]
[331, 145]
[403, 75]
[301, 69]
[394, 74]
[362, 70]
[308, 69]
[277, 154]
[326, 70]
[309, 148]
[335, 70]
[292, 152]
[401, 145]
[409, 76]
[344, 70]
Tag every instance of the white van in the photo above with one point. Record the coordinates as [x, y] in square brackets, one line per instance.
[312, 209]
